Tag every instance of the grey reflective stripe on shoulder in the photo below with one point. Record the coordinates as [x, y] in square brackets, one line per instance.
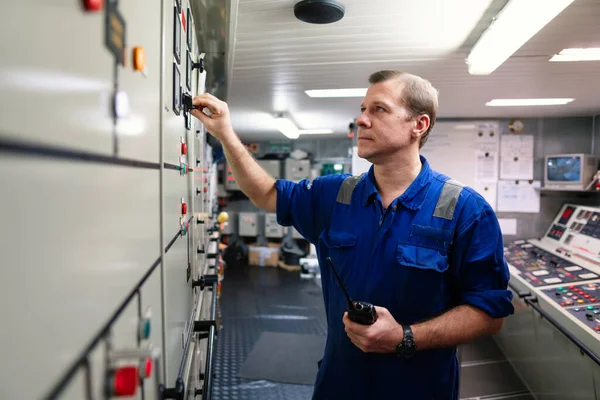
[345, 193]
[448, 198]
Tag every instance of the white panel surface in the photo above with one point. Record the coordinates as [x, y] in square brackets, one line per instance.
[173, 125]
[139, 132]
[179, 305]
[56, 79]
[76, 239]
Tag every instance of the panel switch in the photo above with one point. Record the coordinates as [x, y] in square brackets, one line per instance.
[93, 5]
[125, 381]
[183, 207]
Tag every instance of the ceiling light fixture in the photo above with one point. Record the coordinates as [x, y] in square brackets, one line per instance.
[589, 54]
[337, 92]
[287, 127]
[518, 22]
[527, 102]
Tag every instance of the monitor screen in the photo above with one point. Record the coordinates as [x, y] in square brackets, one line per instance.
[563, 169]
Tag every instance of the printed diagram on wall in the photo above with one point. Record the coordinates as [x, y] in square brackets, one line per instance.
[516, 157]
[519, 196]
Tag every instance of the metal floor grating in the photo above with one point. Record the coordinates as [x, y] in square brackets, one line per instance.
[256, 300]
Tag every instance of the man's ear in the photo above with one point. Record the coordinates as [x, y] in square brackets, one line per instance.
[422, 123]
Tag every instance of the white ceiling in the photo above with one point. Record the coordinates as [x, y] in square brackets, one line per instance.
[276, 58]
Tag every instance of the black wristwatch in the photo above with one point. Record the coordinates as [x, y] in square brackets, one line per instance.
[408, 347]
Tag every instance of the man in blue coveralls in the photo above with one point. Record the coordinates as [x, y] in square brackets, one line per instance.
[424, 249]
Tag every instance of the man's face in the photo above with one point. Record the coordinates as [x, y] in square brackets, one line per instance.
[384, 126]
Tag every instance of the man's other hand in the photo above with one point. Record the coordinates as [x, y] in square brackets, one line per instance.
[381, 337]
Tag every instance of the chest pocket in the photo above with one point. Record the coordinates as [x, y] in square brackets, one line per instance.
[340, 245]
[421, 272]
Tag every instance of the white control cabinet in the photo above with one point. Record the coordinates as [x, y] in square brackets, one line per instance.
[272, 228]
[296, 170]
[248, 224]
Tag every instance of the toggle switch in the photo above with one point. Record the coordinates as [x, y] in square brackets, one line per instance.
[199, 65]
[93, 5]
[188, 102]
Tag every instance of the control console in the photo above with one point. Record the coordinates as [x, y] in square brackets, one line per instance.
[585, 294]
[561, 270]
[589, 315]
[541, 268]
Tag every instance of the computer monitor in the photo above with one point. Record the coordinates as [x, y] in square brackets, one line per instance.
[569, 171]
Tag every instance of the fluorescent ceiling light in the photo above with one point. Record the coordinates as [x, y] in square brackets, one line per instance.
[527, 102]
[287, 127]
[315, 131]
[518, 22]
[337, 93]
[589, 54]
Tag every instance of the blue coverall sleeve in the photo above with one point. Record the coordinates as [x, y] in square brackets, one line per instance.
[306, 205]
[478, 255]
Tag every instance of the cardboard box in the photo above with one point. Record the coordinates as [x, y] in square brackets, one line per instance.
[264, 256]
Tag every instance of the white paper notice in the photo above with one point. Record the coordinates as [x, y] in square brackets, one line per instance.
[486, 166]
[516, 157]
[520, 146]
[487, 137]
[508, 226]
[488, 191]
[519, 196]
[516, 168]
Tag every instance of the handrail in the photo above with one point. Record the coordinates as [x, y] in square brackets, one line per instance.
[207, 376]
[532, 300]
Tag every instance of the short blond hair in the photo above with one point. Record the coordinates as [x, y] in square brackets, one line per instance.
[419, 96]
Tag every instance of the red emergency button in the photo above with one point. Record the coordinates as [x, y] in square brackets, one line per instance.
[586, 296]
[126, 381]
[593, 300]
[93, 5]
[183, 148]
[183, 208]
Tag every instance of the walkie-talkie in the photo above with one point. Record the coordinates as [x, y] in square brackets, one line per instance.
[358, 311]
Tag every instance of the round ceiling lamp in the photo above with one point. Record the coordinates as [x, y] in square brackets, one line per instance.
[319, 11]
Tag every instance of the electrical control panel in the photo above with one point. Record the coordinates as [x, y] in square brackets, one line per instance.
[125, 281]
[540, 267]
[272, 228]
[561, 270]
[248, 224]
[297, 170]
[229, 179]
